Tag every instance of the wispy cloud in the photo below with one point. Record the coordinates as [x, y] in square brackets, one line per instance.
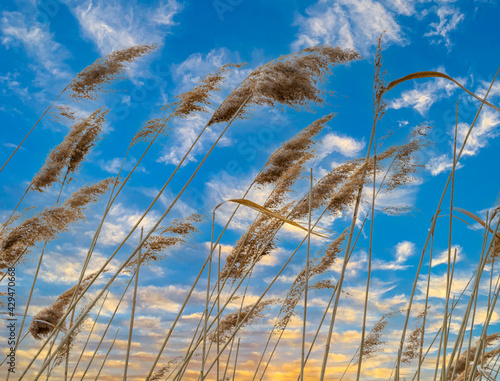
[402, 251]
[440, 164]
[351, 24]
[22, 30]
[113, 25]
[449, 19]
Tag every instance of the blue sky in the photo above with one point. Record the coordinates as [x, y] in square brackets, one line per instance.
[45, 43]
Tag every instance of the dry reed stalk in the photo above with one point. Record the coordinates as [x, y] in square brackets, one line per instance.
[205, 321]
[438, 333]
[227, 362]
[236, 358]
[448, 280]
[218, 311]
[361, 350]
[379, 109]
[89, 335]
[433, 224]
[107, 354]
[420, 359]
[482, 263]
[484, 338]
[134, 301]
[107, 327]
[306, 286]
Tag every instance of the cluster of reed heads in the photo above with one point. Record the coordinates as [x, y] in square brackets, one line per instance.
[346, 193]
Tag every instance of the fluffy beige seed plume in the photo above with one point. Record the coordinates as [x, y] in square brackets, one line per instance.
[48, 224]
[71, 151]
[290, 80]
[412, 348]
[186, 104]
[176, 234]
[196, 99]
[161, 373]
[38, 328]
[460, 367]
[317, 266]
[373, 341]
[92, 79]
[229, 322]
[291, 152]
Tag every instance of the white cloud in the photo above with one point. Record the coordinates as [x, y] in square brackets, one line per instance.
[113, 165]
[403, 251]
[440, 164]
[442, 258]
[48, 56]
[353, 24]
[120, 221]
[56, 268]
[344, 145]
[449, 18]
[484, 130]
[112, 25]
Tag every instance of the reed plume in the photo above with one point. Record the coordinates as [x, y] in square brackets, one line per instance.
[290, 80]
[176, 234]
[373, 341]
[91, 80]
[291, 152]
[161, 373]
[71, 151]
[63, 114]
[48, 224]
[246, 314]
[317, 266]
[186, 104]
[464, 359]
[198, 98]
[52, 314]
[283, 169]
[412, 348]
[65, 350]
